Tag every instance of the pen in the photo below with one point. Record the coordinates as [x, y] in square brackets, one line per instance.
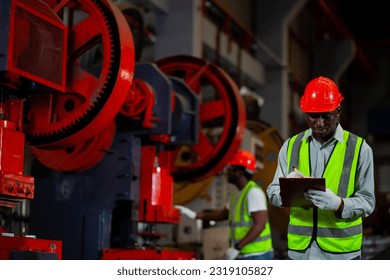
[298, 172]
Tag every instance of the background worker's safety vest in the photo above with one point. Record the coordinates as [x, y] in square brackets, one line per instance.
[241, 222]
[331, 233]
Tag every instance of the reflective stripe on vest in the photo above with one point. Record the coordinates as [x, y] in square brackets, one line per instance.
[332, 234]
[241, 222]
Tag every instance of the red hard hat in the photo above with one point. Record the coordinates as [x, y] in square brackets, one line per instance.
[244, 158]
[321, 95]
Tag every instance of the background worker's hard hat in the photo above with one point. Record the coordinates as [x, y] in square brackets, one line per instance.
[245, 159]
[321, 95]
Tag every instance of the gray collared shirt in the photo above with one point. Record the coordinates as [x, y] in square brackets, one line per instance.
[362, 203]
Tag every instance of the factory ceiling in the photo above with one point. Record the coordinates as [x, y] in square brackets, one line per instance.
[368, 24]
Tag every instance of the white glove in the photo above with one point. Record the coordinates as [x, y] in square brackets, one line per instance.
[275, 199]
[324, 200]
[231, 254]
[295, 174]
[186, 211]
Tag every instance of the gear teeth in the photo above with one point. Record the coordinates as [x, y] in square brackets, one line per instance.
[57, 134]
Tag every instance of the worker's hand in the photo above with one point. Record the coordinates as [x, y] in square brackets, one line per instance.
[295, 174]
[186, 211]
[231, 254]
[324, 200]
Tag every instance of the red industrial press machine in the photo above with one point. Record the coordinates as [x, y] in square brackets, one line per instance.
[108, 136]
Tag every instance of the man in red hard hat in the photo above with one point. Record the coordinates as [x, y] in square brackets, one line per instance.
[250, 232]
[332, 229]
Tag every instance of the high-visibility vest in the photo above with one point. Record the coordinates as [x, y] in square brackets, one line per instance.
[331, 233]
[241, 222]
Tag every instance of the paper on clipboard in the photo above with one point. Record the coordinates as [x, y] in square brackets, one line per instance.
[292, 189]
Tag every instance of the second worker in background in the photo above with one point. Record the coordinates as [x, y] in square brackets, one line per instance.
[250, 232]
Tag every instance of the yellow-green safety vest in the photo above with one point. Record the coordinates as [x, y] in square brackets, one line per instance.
[331, 233]
[241, 222]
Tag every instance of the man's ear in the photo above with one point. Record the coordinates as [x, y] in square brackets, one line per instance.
[338, 111]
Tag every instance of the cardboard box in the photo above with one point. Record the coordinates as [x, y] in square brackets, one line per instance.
[215, 242]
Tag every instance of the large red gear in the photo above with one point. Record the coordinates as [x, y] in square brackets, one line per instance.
[221, 122]
[94, 94]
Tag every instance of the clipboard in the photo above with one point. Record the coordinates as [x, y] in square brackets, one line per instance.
[292, 189]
